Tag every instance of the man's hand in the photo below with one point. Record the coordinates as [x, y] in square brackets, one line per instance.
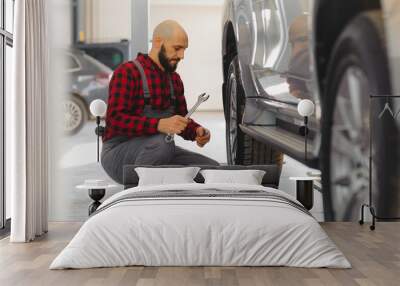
[172, 125]
[202, 136]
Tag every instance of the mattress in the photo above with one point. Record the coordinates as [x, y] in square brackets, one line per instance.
[201, 225]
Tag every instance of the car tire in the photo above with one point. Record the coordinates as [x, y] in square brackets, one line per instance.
[357, 68]
[75, 114]
[241, 148]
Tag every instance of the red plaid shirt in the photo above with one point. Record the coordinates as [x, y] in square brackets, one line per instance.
[126, 101]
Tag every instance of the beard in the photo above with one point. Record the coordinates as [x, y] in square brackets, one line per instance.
[165, 61]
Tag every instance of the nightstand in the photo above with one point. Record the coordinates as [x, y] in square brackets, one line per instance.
[305, 190]
[96, 190]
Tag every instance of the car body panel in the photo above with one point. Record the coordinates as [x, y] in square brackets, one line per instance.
[276, 44]
[274, 77]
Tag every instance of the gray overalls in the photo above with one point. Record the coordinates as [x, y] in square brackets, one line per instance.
[147, 149]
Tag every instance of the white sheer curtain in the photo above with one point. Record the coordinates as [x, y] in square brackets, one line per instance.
[27, 142]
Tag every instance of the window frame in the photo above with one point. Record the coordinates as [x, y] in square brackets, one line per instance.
[6, 39]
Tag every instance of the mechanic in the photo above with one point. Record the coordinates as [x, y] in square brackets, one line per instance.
[146, 102]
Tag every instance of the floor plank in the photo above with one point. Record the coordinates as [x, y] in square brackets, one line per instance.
[374, 255]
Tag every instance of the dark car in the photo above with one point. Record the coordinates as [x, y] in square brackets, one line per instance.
[88, 80]
[112, 54]
[338, 54]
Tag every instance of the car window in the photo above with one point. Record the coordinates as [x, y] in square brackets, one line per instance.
[111, 57]
[96, 63]
[72, 63]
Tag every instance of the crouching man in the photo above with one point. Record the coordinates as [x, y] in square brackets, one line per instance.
[146, 102]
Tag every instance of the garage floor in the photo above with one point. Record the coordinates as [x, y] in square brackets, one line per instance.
[374, 255]
[78, 163]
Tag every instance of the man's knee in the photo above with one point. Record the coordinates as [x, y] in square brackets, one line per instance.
[213, 162]
[186, 157]
[112, 166]
[156, 152]
[204, 160]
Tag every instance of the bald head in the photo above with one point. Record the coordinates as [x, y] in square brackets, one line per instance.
[169, 44]
[169, 29]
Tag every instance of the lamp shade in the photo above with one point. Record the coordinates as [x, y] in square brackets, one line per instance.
[305, 107]
[98, 107]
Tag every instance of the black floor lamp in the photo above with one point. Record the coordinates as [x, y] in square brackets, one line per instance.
[98, 109]
[305, 185]
[305, 108]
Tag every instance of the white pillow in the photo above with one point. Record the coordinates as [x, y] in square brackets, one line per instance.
[162, 176]
[249, 177]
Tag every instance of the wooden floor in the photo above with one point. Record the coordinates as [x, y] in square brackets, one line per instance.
[374, 255]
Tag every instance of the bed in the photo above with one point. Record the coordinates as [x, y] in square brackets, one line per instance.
[201, 224]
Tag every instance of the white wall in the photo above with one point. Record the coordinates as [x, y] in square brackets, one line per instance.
[8, 142]
[201, 70]
[108, 20]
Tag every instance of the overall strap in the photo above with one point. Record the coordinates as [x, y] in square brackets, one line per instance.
[171, 88]
[146, 92]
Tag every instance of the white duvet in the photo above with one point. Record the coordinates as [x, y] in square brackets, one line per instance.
[200, 231]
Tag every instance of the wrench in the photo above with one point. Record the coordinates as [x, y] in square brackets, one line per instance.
[201, 98]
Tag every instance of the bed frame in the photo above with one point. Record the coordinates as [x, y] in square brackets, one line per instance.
[270, 179]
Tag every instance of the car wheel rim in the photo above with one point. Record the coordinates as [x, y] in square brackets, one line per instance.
[233, 132]
[72, 115]
[349, 167]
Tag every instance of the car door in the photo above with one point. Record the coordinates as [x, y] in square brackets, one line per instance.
[280, 63]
